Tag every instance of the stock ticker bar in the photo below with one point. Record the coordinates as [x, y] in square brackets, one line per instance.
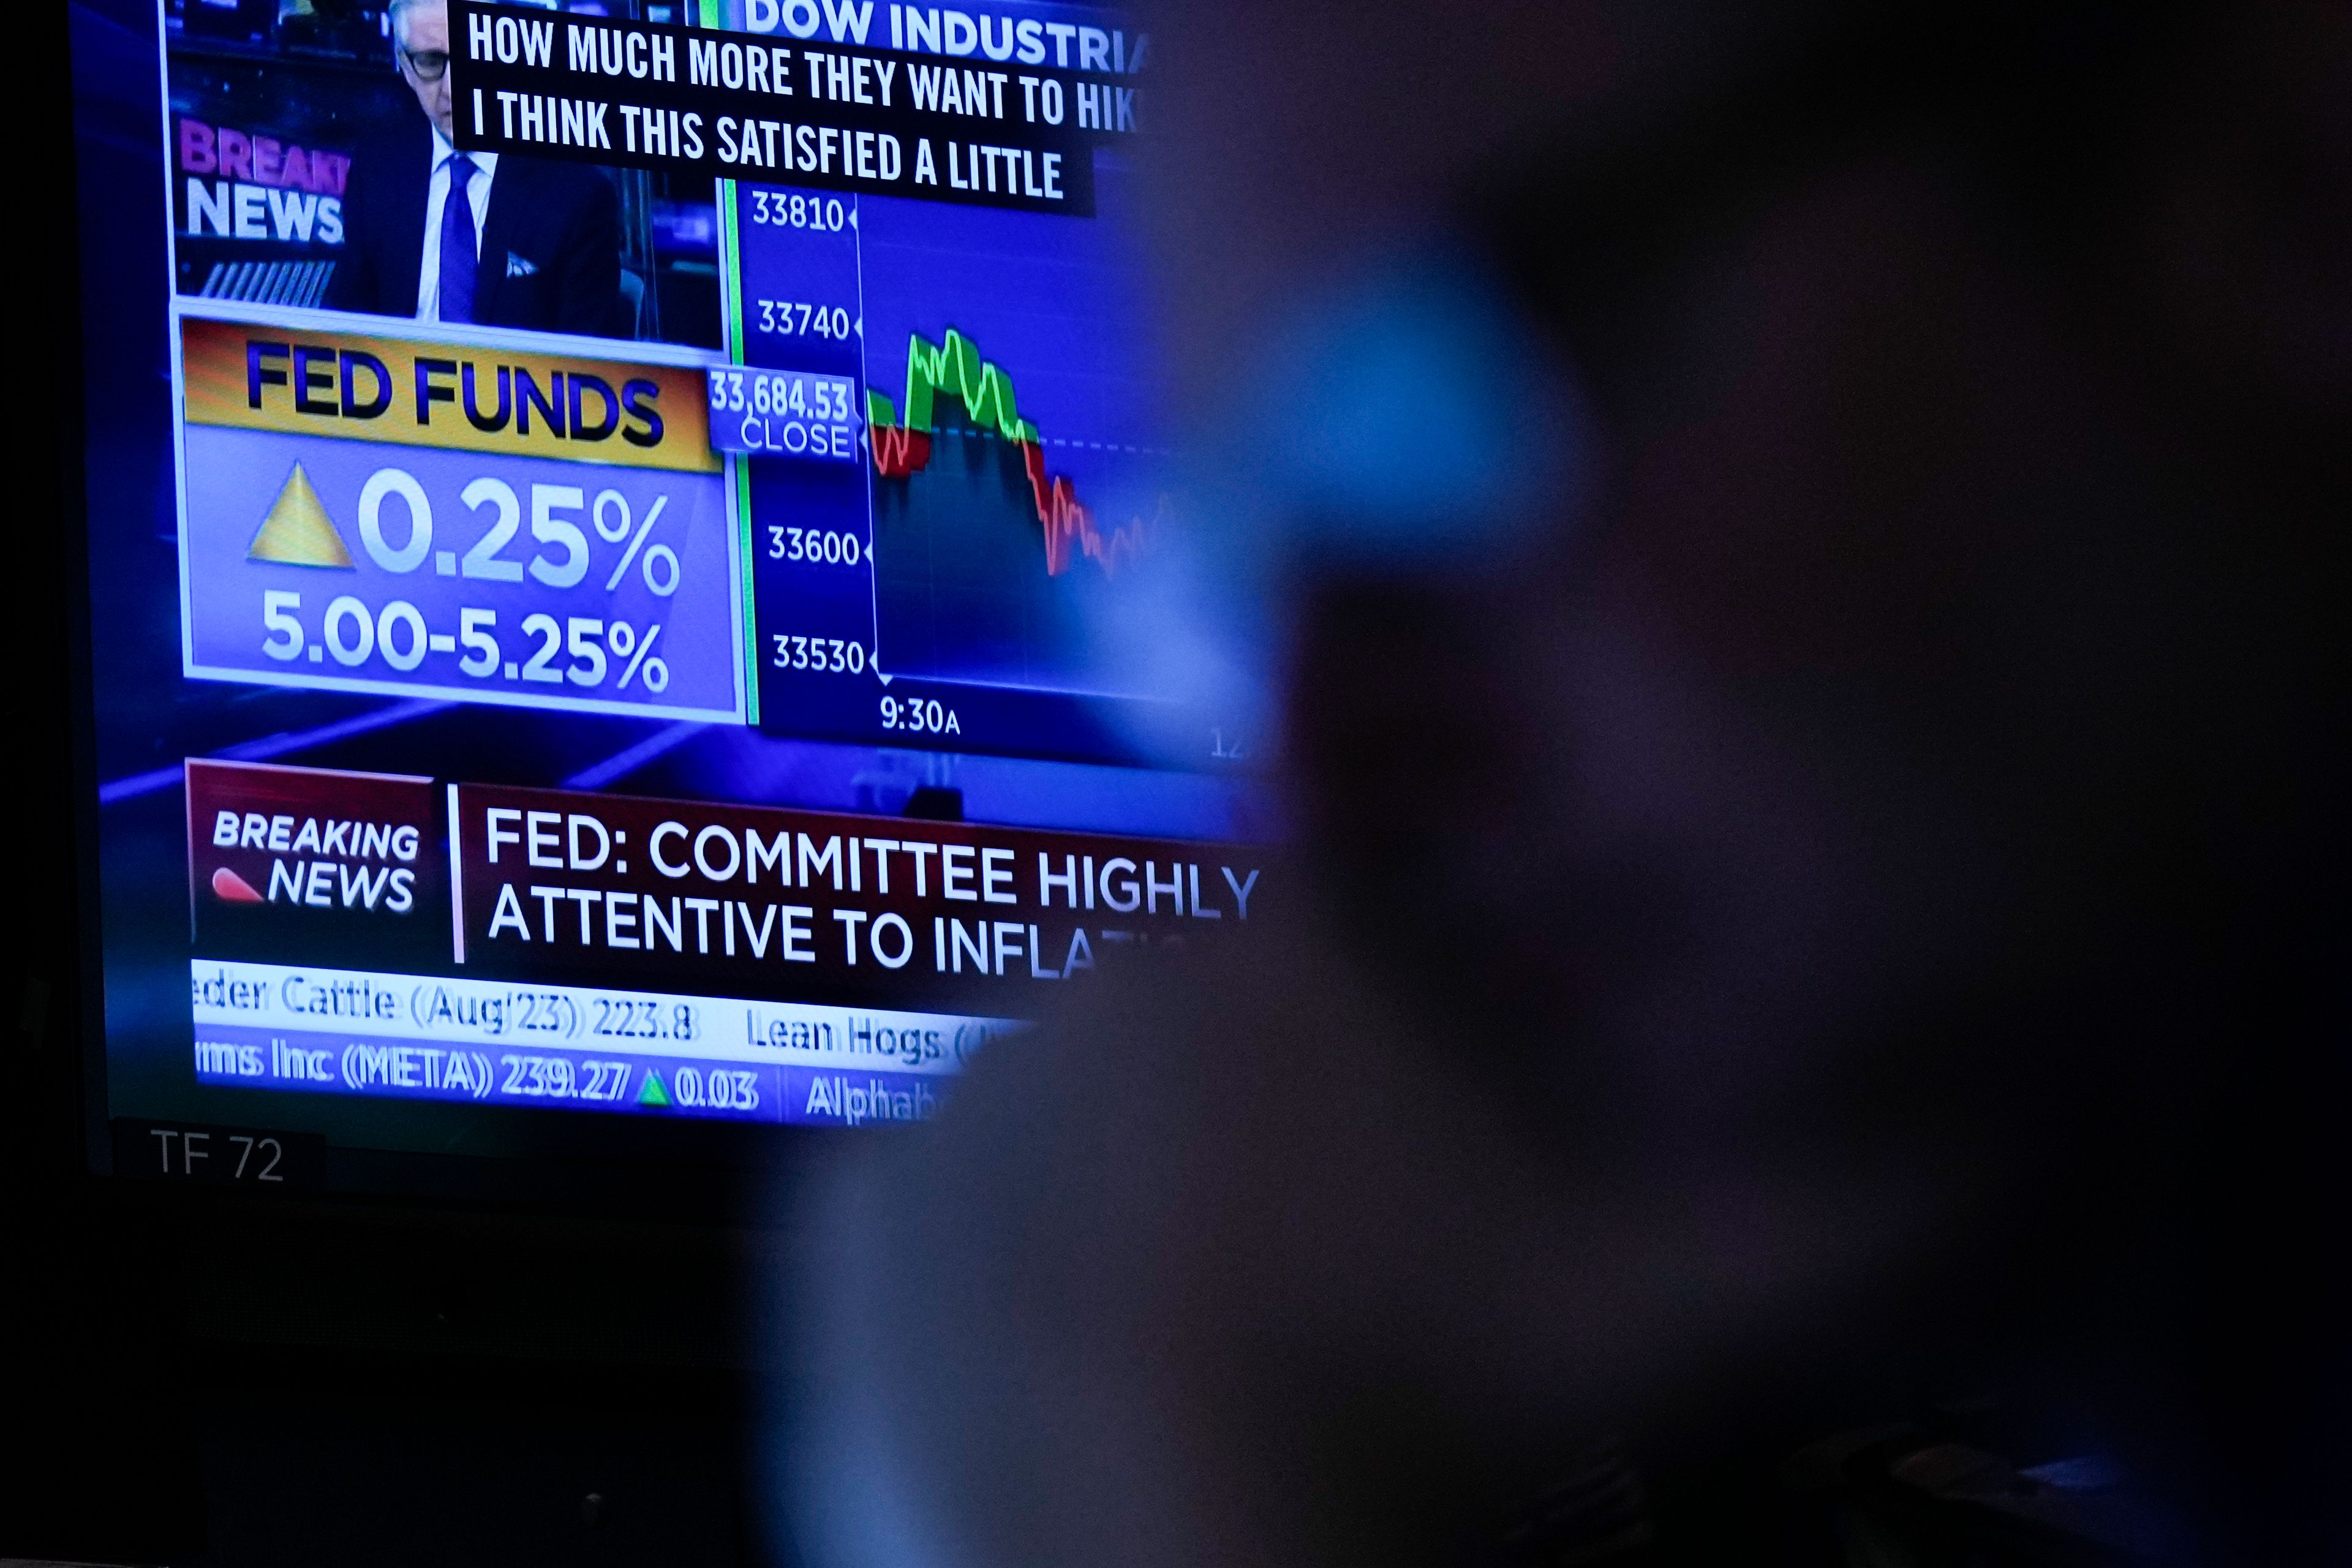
[388, 934]
[408, 1036]
[1005, 120]
[418, 517]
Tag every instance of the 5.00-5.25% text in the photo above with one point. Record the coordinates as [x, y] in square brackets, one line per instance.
[352, 635]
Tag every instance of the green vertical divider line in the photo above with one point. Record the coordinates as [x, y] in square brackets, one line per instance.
[732, 261]
[708, 12]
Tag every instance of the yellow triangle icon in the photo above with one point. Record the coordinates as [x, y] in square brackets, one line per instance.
[297, 532]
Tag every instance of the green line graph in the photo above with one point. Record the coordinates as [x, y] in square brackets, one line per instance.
[952, 365]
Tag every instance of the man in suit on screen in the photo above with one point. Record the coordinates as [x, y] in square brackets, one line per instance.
[443, 235]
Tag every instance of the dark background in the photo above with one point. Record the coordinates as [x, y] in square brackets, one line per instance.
[197, 1376]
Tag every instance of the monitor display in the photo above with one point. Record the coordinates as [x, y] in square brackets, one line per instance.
[616, 537]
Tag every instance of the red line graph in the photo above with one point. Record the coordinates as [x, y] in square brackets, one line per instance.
[1070, 526]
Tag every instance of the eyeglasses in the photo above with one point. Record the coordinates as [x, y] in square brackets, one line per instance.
[425, 65]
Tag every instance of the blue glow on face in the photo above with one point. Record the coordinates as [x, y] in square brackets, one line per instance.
[1409, 419]
[1409, 416]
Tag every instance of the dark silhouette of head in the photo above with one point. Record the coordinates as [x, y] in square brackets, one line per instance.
[1846, 897]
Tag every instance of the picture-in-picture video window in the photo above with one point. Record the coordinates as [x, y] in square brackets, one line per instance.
[311, 165]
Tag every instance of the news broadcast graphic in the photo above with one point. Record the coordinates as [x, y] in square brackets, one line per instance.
[761, 901]
[829, 107]
[620, 953]
[625, 602]
[427, 517]
[346, 866]
[257, 190]
[271, 210]
[936, 560]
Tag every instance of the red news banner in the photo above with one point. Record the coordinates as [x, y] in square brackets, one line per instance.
[372, 871]
[741, 900]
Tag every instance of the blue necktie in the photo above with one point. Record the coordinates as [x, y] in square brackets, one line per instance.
[459, 263]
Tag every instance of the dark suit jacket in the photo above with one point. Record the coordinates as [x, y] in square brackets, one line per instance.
[551, 241]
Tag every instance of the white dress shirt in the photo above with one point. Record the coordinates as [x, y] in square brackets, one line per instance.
[436, 197]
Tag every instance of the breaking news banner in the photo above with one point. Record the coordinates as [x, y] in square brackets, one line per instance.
[833, 111]
[336, 866]
[750, 901]
[383, 934]
[370, 512]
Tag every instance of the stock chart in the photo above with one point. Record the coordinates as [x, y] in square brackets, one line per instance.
[1009, 499]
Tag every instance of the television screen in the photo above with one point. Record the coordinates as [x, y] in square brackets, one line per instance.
[623, 544]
